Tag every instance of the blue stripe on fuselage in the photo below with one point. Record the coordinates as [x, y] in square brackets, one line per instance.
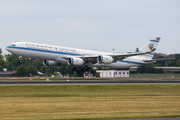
[22, 48]
[66, 53]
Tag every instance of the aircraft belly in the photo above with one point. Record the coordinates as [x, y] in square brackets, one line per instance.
[121, 65]
[61, 60]
[35, 54]
[117, 65]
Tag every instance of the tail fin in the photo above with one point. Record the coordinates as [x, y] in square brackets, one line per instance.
[151, 45]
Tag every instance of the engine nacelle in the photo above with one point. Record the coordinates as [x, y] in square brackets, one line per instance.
[75, 61]
[105, 59]
[49, 63]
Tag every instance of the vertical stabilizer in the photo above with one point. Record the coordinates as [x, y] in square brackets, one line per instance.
[151, 45]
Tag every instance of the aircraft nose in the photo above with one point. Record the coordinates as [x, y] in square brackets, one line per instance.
[8, 49]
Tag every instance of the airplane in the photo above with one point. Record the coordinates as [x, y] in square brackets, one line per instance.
[53, 55]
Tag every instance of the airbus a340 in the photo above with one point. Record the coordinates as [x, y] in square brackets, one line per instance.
[52, 55]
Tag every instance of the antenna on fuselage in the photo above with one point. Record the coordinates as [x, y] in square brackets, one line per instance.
[113, 51]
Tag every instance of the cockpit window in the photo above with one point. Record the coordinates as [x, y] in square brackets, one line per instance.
[13, 44]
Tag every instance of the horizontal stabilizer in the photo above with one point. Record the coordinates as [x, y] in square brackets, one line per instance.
[158, 59]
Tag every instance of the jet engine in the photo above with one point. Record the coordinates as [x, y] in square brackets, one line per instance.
[105, 59]
[49, 63]
[75, 61]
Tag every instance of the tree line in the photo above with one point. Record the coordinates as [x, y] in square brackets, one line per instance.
[34, 65]
[150, 68]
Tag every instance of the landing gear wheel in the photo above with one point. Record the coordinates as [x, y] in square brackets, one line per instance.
[93, 71]
[77, 70]
[20, 61]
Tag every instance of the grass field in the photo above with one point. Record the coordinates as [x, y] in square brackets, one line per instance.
[89, 101]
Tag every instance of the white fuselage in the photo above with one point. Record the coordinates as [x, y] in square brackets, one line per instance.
[59, 54]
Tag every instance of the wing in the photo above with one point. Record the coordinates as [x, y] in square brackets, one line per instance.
[93, 58]
[123, 56]
[159, 59]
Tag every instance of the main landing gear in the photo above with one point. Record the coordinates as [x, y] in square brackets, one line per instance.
[86, 69]
[20, 59]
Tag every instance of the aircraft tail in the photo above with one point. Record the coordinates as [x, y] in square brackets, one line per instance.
[151, 45]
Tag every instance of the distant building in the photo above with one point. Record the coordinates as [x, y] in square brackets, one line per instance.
[159, 54]
[9, 74]
[171, 56]
[113, 73]
[164, 55]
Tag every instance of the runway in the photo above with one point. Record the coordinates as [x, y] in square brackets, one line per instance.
[88, 82]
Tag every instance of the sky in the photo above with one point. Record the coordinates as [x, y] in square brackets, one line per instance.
[99, 25]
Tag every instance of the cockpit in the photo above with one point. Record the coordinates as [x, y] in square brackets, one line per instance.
[16, 44]
[12, 44]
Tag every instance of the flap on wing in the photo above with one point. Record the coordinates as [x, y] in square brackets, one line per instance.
[158, 59]
[115, 56]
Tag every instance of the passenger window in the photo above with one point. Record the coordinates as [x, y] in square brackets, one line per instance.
[13, 44]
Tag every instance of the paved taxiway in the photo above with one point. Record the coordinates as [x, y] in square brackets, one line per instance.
[148, 119]
[86, 82]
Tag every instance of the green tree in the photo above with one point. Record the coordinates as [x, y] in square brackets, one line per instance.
[161, 62]
[177, 57]
[8, 65]
[1, 61]
[1, 68]
[141, 69]
[26, 62]
[13, 59]
[171, 63]
[0, 53]
[63, 69]
[158, 70]
[44, 69]
[149, 68]
[32, 70]
[178, 62]
[37, 64]
[21, 70]
[75, 74]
